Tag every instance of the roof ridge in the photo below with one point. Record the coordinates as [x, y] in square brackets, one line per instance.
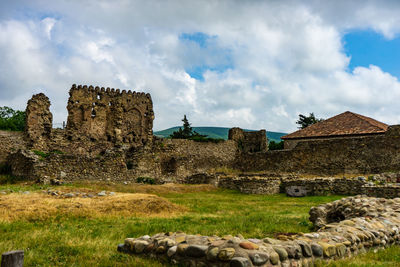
[345, 123]
[371, 121]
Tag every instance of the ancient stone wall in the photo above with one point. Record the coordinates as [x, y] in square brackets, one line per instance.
[100, 114]
[347, 227]
[10, 142]
[39, 121]
[318, 186]
[176, 159]
[373, 154]
[255, 141]
[323, 186]
[251, 184]
[168, 160]
[108, 167]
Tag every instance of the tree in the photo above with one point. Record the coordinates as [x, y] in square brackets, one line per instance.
[305, 121]
[185, 132]
[272, 145]
[12, 120]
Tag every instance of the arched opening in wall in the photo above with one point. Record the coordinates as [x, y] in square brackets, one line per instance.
[98, 97]
[93, 114]
[169, 166]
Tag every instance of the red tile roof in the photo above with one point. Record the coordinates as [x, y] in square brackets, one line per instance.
[346, 123]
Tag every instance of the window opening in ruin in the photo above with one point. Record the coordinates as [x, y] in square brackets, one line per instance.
[109, 103]
[77, 102]
[98, 97]
[93, 113]
[129, 165]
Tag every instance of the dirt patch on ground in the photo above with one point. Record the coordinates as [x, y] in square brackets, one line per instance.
[40, 206]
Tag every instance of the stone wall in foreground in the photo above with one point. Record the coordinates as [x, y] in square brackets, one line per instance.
[347, 227]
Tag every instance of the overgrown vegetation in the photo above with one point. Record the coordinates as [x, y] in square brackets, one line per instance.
[44, 155]
[5, 168]
[12, 120]
[41, 154]
[186, 132]
[145, 180]
[10, 179]
[305, 121]
[272, 145]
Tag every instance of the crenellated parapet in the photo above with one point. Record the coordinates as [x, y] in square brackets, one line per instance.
[99, 113]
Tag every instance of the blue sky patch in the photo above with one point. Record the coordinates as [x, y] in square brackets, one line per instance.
[214, 57]
[198, 37]
[368, 47]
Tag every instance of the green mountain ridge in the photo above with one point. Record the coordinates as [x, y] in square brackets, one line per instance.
[216, 132]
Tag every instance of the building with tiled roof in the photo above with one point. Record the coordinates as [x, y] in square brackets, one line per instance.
[344, 125]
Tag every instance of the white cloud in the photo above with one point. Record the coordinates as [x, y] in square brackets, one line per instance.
[48, 24]
[284, 57]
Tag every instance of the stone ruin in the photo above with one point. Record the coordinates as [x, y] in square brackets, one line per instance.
[346, 227]
[109, 115]
[254, 141]
[94, 114]
[39, 121]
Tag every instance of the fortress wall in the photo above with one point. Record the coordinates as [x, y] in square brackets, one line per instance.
[176, 159]
[373, 154]
[168, 160]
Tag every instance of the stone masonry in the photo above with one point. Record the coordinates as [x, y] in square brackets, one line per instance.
[100, 114]
[347, 227]
[254, 141]
[39, 121]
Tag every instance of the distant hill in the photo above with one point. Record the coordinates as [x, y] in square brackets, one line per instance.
[216, 132]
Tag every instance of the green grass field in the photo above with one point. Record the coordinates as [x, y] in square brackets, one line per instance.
[66, 239]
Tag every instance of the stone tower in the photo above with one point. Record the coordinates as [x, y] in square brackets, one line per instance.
[100, 114]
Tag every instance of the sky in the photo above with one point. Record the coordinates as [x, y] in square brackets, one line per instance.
[250, 64]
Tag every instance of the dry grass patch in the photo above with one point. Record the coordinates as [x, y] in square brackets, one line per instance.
[40, 206]
[146, 188]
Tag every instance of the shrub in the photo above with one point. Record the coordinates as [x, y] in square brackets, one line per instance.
[41, 154]
[145, 180]
[10, 179]
[275, 146]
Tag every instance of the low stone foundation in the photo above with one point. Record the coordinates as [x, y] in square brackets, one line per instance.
[326, 185]
[251, 184]
[321, 186]
[348, 227]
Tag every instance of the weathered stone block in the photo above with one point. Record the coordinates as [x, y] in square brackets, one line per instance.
[296, 191]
